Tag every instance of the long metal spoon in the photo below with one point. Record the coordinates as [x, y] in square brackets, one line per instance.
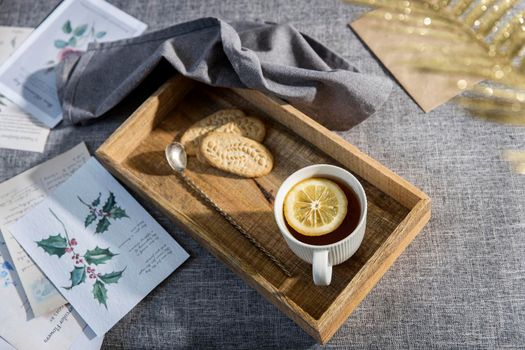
[177, 159]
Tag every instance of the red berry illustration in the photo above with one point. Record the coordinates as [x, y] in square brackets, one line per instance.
[73, 242]
[69, 250]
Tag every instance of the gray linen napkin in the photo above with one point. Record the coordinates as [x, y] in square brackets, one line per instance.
[274, 59]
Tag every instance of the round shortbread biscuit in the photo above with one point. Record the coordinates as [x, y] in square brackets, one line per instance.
[192, 137]
[236, 154]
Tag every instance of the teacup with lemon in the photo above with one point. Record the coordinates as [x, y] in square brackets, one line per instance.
[321, 212]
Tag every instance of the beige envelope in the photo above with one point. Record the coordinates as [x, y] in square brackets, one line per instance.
[429, 90]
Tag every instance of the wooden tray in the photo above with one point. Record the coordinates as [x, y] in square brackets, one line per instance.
[397, 210]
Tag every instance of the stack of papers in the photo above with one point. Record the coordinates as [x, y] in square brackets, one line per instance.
[74, 237]
[77, 251]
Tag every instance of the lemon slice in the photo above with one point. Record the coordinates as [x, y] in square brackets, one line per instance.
[315, 207]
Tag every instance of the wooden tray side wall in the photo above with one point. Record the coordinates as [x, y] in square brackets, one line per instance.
[114, 151]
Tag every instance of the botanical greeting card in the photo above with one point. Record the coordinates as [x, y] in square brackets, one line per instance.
[28, 78]
[98, 246]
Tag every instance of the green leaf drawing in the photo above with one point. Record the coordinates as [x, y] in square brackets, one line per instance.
[102, 225]
[98, 256]
[72, 41]
[66, 28]
[96, 202]
[77, 276]
[110, 211]
[54, 245]
[110, 203]
[89, 219]
[80, 30]
[112, 277]
[60, 44]
[118, 213]
[100, 35]
[100, 293]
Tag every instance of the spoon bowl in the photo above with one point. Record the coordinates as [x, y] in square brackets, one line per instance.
[176, 156]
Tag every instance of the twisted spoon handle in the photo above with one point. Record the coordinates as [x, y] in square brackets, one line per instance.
[234, 223]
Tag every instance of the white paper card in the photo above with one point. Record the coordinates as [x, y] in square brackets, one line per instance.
[28, 78]
[17, 196]
[5, 345]
[98, 246]
[18, 130]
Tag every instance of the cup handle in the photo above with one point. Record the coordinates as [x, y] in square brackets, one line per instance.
[321, 268]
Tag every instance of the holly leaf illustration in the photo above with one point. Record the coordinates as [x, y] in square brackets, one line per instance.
[110, 203]
[53, 245]
[102, 225]
[98, 256]
[80, 30]
[118, 213]
[72, 41]
[77, 276]
[60, 44]
[100, 293]
[89, 219]
[96, 202]
[100, 35]
[66, 28]
[112, 277]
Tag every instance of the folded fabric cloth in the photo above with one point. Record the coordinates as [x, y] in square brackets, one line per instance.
[274, 59]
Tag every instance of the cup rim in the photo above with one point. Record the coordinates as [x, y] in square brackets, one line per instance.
[284, 230]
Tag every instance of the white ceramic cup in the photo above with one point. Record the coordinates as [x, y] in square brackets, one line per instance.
[322, 257]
